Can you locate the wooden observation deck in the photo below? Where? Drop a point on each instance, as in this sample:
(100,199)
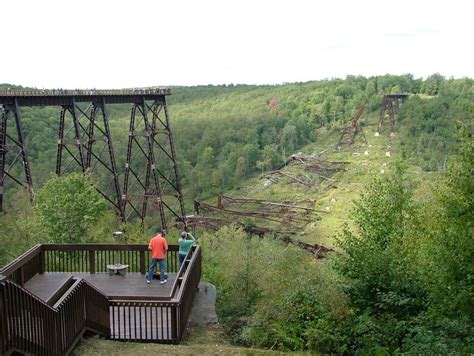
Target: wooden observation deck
(52,294)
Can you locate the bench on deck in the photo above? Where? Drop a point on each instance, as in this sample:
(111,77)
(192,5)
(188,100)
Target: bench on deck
(117,268)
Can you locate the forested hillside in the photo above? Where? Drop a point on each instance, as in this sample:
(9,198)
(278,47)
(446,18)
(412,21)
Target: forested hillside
(402,277)
(227,133)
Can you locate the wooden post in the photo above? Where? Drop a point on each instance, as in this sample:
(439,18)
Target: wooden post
(142,262)
(21,282)
(41,262)
(92,261)
(175,324)
(3,321)
(196,207)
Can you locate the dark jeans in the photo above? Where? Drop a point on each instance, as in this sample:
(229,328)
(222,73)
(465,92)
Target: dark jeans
(181,258)
(162,263)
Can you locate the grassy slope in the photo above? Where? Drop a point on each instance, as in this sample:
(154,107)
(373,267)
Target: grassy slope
(348,184)
(199,340)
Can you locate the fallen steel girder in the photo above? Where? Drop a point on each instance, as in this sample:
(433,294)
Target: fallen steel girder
(309,182)
(260,215)
(215,224)
(316,249)
(238,201)
(314,164)
(282,207)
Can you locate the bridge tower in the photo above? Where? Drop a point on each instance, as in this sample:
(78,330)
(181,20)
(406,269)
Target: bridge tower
(151,163)
(13,151)
(352,128)
(390,108)
(87,145)
(84,144)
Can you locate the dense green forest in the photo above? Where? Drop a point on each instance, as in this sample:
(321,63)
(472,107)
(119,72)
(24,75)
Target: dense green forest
(403,278)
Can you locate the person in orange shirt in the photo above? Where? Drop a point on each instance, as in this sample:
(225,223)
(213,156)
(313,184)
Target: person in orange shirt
(158,247)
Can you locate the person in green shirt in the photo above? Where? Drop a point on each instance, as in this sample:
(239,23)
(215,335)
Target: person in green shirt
(186,240)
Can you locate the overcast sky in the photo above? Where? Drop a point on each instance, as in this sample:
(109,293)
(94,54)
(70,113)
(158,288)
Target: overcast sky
(134,43)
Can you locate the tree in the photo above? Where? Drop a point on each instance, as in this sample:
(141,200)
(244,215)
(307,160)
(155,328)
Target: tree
(386,299)
(432,84)
(15,238)
(288,138)
(66,207)
(270,156)
(373,259)
(448,241)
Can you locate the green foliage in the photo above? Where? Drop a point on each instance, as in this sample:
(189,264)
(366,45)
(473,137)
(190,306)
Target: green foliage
(269,294)
(408,271)
(444,249)
(229,264)
(373,259)
(428,127)
(66,207)
(403,283)
(15,238)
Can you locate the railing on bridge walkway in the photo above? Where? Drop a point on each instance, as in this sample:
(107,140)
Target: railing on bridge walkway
(32,325)
(85,92)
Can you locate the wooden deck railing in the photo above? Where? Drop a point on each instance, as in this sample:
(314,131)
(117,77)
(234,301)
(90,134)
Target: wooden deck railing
(24,267)
(29,325)
(94,258)
(90,258)
(190,275)
(165,321)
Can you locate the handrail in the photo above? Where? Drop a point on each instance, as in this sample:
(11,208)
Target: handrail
(60,291)
(64,297)
(26,291)
(25,266)
(21,260)
(100,247)
(35,327)
(86,92)
(185,269)
(187,290)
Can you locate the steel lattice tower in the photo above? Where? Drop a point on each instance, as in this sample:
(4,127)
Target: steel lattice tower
(352,128)
(85,144)
(390,107)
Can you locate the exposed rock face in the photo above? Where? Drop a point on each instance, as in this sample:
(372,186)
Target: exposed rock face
(204,306)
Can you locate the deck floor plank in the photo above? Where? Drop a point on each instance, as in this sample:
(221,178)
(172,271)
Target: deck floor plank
(130,286)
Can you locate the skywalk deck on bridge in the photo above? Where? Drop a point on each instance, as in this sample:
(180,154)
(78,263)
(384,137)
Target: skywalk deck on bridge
(45,97)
